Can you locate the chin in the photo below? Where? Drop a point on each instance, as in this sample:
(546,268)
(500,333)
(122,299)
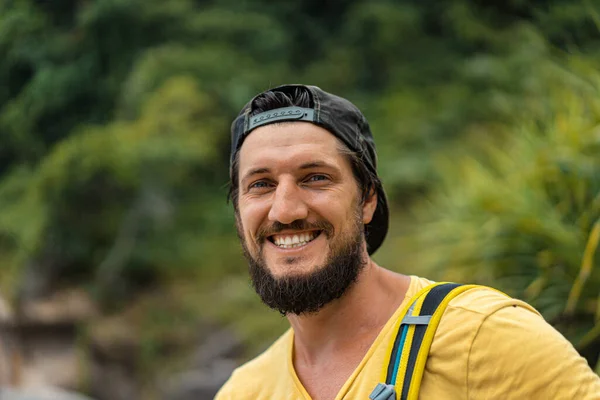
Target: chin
(291,267)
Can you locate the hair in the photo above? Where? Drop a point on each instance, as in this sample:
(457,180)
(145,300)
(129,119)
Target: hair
(366,179)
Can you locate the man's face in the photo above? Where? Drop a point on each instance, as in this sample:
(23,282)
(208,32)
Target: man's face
(299,216)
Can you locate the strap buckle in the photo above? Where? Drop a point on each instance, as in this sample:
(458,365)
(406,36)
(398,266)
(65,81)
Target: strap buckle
(383,392)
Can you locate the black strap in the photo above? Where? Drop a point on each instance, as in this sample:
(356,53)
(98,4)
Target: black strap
(432,300)
(434,297)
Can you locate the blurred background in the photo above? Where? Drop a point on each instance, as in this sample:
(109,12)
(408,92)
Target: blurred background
(121,276)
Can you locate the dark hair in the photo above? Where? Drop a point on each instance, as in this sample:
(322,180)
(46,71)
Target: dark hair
(367,181)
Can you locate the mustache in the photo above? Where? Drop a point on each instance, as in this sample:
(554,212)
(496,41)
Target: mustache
(299,225)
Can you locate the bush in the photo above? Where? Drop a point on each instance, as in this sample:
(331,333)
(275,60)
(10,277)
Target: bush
(126,199)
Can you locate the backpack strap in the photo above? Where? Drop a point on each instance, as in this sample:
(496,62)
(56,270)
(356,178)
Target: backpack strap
(412,343)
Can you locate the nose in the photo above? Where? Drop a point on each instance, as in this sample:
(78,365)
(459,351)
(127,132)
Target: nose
(288,205)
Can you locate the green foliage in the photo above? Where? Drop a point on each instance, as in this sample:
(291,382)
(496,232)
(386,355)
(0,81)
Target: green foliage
(114,140)
(114,198)
(524,216)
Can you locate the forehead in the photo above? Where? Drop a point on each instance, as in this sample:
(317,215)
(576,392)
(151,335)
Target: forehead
(285,144)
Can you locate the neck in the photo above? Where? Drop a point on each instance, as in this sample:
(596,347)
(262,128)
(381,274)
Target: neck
(352,321)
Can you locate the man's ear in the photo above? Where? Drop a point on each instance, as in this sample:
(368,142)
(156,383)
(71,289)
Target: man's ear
(369,206)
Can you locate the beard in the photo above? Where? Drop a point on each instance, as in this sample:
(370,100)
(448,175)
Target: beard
(307,293)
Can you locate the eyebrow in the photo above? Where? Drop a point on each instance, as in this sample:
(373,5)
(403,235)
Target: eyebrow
(255,171)
(308,165)
(317,164)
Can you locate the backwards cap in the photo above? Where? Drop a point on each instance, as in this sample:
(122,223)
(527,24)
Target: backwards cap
(340,117)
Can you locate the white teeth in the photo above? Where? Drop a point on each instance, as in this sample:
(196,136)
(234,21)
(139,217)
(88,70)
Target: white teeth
(288,242)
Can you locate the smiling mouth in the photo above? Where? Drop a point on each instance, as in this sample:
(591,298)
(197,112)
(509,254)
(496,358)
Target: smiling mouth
(288,241)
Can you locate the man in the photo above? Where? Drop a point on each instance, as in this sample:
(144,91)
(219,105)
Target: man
(310,210)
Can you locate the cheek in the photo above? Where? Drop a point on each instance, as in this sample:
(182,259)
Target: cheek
(251,216)
(334,206)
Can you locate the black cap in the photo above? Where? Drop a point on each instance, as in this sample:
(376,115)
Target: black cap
(340,117)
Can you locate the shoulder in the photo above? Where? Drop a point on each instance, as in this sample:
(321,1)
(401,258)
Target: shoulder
(464,317)
(502,347)
(531,359)
(490,323)
(460,326)
(248,380)
(515,353)
(478,301)
(486,301)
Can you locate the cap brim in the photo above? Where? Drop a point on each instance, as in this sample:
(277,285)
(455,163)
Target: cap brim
(377,229)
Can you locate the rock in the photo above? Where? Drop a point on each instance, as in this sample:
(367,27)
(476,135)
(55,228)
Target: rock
(46,330)
(114,351)
(38,342)
(64,307)
(45,393)
(115,341)
(113,381)
(50,357)
(10,358)
(211,366)
(218,345)
(199,384)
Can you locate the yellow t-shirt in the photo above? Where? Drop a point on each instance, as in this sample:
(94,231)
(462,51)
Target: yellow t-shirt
(487,346)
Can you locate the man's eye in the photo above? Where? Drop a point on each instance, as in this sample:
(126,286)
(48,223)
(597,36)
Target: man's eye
(258,185)
(315,178)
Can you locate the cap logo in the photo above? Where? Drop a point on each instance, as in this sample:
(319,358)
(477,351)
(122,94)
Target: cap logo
(281,114)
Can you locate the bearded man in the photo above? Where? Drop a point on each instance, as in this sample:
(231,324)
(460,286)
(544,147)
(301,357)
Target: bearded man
(310,211)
